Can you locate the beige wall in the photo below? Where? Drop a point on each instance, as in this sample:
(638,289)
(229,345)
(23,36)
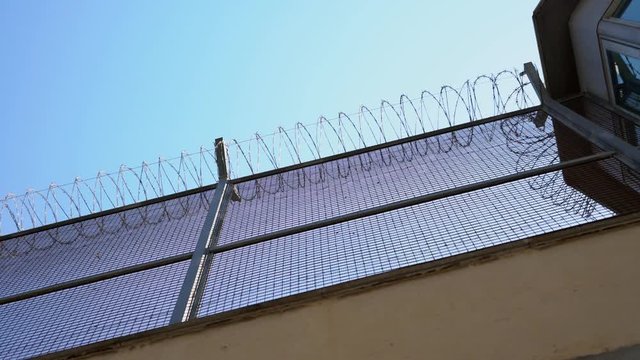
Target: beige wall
(577,298)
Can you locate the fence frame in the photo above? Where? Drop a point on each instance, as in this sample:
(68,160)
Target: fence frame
(194,283)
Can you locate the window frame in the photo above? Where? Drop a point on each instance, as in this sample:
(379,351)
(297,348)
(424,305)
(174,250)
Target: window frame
(625,49)
(618,8)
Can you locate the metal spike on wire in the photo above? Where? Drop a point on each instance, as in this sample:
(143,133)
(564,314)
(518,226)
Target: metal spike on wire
(485,96)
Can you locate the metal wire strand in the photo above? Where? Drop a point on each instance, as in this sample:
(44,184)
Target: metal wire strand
(475,99)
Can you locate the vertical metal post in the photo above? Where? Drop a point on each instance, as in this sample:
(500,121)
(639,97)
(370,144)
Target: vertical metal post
(195,280)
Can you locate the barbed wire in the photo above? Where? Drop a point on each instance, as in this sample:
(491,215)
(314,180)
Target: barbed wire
(174,209)
(487,95)
(533,150)
(129,185)
(484,96)
(538,150)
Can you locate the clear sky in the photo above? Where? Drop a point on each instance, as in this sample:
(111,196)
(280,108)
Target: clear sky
(89,85)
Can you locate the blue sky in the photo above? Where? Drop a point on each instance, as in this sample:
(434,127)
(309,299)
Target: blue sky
(89,85)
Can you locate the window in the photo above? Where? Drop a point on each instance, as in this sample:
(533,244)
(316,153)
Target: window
(630,10)
(625,78)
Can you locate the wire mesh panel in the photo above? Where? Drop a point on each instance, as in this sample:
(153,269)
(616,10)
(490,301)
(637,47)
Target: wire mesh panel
(90,313)
(417,234)
(379,177)
(610,120)
(102,244)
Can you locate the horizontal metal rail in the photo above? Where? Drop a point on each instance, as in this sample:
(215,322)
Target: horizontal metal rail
(410,202)
(96,278)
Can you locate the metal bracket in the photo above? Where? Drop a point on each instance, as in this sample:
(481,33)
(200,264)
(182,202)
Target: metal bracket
(195,280)
(221,159)
(531,73)
(625,152)
(221,162)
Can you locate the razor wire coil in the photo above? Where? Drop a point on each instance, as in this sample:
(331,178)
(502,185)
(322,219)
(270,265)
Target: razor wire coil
(485,96)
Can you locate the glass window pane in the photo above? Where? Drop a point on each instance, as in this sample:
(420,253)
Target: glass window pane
(630,10)
(625,75)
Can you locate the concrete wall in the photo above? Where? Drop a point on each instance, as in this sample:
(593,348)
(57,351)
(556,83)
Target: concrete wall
(577,298)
